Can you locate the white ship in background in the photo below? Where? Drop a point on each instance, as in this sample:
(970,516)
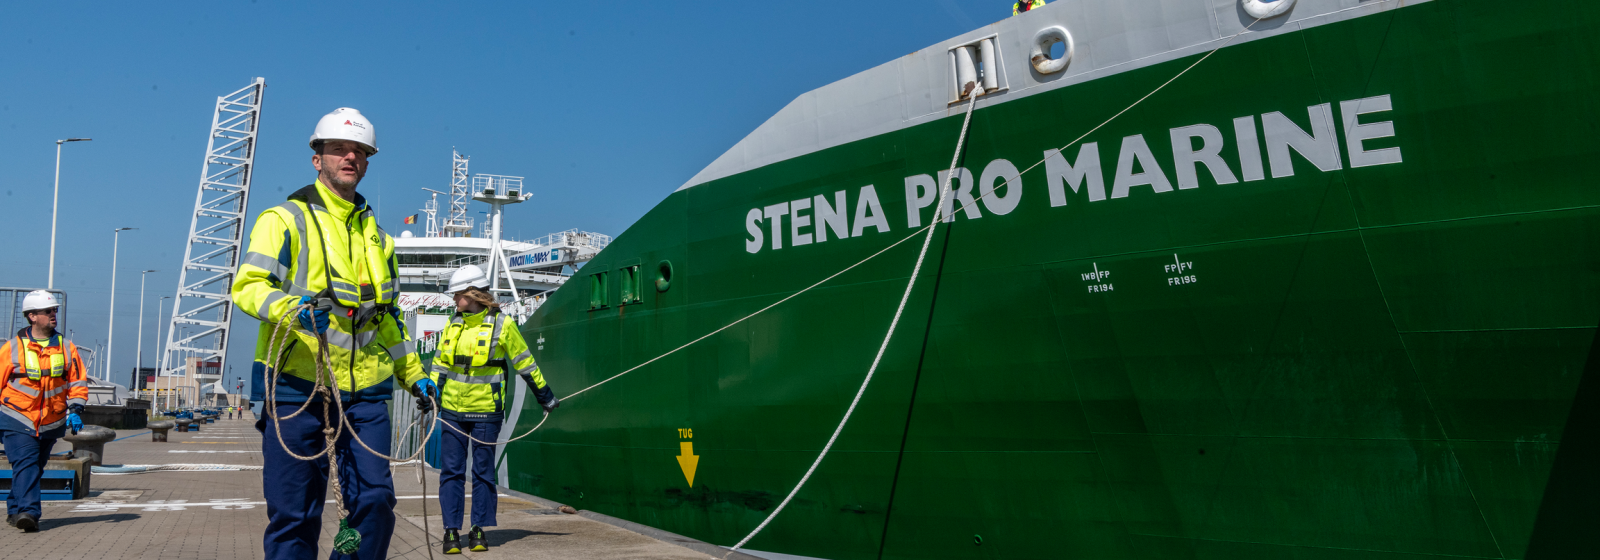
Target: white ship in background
(527,271)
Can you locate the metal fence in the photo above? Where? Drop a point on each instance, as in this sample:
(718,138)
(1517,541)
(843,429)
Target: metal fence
(403,408)
(11,298)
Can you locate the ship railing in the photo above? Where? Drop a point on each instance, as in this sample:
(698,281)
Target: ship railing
(574,238)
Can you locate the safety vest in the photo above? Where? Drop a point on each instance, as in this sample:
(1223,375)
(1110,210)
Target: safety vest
(472,368)
(41,381)
(317,244)
(1024,5)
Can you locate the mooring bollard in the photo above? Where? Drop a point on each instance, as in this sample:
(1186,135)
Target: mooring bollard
(183,424)
(158,430)
(89,443)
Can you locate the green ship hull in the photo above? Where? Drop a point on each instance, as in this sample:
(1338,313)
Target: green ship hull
(1366,352)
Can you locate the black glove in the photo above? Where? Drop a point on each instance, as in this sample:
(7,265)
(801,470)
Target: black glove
(547,398)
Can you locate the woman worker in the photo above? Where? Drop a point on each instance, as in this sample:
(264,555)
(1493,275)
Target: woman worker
(477,352)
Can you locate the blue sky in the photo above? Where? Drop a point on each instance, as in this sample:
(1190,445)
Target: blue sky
(605,107)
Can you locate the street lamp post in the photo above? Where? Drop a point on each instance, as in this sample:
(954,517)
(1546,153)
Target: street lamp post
(161,307)
(116,237)
(51,283)
(138,361)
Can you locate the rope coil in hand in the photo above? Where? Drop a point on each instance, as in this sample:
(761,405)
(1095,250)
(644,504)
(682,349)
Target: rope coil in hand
(347,540)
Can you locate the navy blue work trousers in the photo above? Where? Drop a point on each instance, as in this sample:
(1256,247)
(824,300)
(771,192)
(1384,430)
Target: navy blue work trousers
(27,455)
(296,489)
(453,472)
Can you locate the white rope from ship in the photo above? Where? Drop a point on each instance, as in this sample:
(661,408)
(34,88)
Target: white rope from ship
(937,217)
(347,540)
(944,193)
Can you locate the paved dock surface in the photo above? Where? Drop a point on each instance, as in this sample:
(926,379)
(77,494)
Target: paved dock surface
(177,515)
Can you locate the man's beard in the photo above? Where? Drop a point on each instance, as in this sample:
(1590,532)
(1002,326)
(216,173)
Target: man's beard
(334,182)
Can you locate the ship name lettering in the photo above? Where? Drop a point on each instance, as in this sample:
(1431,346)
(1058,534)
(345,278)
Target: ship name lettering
(1280,134)
(811,219)
(999,188)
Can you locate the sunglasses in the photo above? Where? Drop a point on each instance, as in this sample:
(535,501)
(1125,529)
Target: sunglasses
(50,311)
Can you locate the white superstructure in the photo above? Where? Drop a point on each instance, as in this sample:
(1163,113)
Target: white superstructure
(531,268)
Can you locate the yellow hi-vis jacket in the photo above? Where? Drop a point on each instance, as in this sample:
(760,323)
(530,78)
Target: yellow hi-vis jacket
(477,352)
(317,244)
(1024,5)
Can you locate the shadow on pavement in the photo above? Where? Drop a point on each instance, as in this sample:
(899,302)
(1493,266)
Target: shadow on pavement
(499,537)
(47,523)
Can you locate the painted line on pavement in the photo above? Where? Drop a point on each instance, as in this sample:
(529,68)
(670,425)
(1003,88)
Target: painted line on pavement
(210,451)
(184,505)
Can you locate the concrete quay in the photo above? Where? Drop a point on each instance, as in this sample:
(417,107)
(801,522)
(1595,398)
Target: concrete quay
(220,514)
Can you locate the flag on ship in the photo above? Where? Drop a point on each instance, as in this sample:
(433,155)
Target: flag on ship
(411,219)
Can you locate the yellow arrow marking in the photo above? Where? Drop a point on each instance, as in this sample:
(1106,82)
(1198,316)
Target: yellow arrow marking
(688,461)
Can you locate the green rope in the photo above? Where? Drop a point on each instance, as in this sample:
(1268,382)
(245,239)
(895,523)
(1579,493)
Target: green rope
(347,541)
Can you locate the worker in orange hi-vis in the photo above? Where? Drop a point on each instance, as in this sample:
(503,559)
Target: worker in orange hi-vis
(43,395)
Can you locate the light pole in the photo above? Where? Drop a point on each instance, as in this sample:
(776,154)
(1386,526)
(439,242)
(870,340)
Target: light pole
(160,352)
(138,361)
(51,283)
(116,237)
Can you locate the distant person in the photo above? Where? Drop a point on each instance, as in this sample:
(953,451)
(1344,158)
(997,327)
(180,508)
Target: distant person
(477,353)
(1024,5)
(323,247)
(44,396)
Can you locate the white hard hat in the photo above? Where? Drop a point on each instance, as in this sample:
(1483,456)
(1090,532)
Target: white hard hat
(39,299)
(345,123)
(468,276)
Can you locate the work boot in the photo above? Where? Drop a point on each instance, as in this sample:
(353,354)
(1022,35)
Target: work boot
(11,519)
(27,522)
(452,542)
(476,540)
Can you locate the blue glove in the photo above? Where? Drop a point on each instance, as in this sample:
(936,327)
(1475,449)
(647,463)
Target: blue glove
(313,320)
(73,421)
(425,386)
(423,390)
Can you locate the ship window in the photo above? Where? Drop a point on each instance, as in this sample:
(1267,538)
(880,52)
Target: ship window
(426,259)
(597,291)
(632,285)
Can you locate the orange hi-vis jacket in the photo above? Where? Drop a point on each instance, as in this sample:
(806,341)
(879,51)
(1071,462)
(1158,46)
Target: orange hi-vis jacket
(41,381)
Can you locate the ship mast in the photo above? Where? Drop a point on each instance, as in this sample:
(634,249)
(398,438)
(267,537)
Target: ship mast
(498,191)
(432,210)
(458,224)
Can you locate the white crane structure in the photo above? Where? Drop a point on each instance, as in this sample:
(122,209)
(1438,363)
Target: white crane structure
(202,310)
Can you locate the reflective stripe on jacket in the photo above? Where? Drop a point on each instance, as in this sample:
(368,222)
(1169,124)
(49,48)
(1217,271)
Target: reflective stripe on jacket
(477,354)
(317,244)
(41,381)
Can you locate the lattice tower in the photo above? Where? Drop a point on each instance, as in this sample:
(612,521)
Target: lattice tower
(202,310)
(458,224)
